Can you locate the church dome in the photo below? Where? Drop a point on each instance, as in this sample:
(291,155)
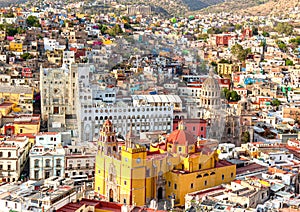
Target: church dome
(210,92)
(181,140)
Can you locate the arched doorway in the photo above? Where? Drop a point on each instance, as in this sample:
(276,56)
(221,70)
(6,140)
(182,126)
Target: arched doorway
(111,195)
(159,193)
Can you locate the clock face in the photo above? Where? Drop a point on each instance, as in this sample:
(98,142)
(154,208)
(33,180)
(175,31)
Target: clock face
(138,160)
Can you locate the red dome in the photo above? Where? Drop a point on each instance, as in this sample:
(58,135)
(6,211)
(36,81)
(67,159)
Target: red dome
(181,137)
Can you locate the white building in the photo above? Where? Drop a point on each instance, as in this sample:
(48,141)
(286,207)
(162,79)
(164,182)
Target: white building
(50,44)
(68,57)
(73,100)
(46,162)
(13,154)
(80,160)
(48,139)
(58,89)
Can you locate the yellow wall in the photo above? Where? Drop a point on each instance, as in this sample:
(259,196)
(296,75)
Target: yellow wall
(136,175)
(27,128)
(5,110)
(16,47)
(195,181)
(15,97)
(227,69)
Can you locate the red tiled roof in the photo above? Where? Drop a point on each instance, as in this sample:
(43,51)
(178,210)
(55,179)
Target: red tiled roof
(181,137)
(250,168)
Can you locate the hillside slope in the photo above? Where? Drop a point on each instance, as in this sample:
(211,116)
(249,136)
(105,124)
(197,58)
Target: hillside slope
(255,7)
(193,5)
(274,7)
(234,6)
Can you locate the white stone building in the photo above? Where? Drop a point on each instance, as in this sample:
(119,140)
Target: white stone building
(13,154)
(46,162)
(80,160)
(68,57)
(58,89)
(73,101)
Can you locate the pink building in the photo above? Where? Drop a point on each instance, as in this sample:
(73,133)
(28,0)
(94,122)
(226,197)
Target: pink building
(196,126)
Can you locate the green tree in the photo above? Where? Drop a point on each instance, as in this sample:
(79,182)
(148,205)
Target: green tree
(11,31)
(238,26)
(275,102)
(26,56)
(214,64)
(284,28)
(224,61)
(214,30)
(295,40)
(245,137)
(281,45)
(254,30)
(126,18)
(265,34)
(32,21)
(289,62)
(239,52)
(234,96)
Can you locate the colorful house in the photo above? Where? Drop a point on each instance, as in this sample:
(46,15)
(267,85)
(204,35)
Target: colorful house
(15,46)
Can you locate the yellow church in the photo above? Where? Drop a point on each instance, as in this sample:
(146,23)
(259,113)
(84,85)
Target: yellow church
(133,174)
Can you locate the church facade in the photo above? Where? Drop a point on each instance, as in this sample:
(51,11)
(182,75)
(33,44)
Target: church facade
(224,121)
(127,172)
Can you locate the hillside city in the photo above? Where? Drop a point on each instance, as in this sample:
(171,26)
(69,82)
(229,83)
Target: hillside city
(121,106)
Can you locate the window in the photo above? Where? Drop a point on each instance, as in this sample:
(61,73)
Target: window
(223,176)
(36,174)
(1,167)
(194,129)
(175,186)
(125,183)
(58,162)
(47,162)
(169,184)
(8,167)
(47,175)
(98,188)
(179,149)
(192,185)
(9,154)
(98,171)
(205,183)
(36,163)
(201,128)
(55,110)
(1,154)
(199,166)
(231,175)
